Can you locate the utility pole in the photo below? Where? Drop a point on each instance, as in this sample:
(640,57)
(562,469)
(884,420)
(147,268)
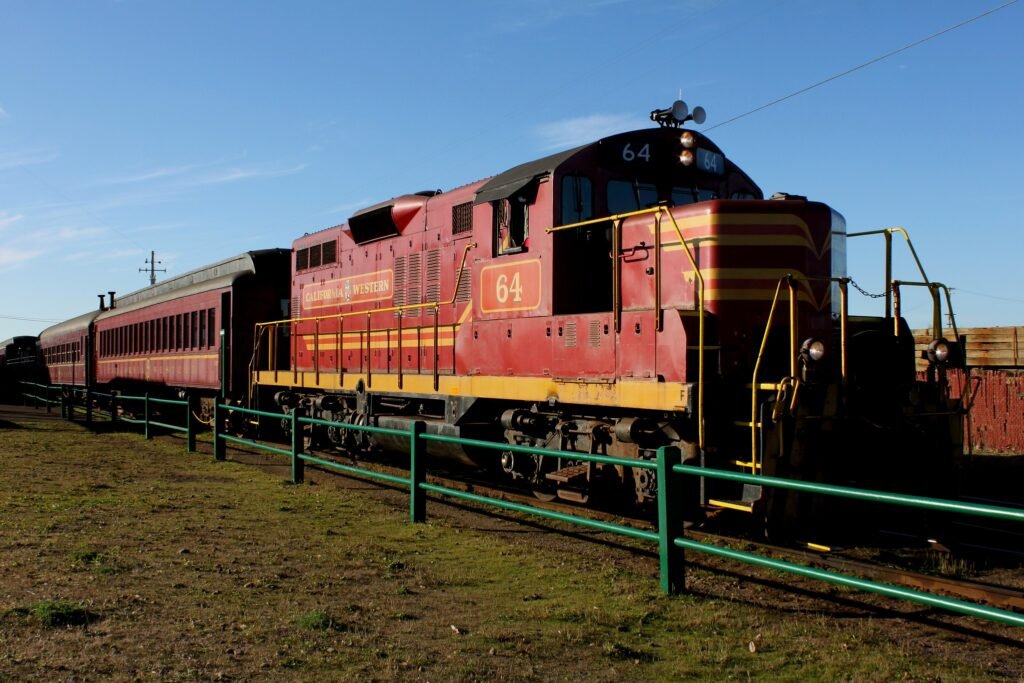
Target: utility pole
(152,270)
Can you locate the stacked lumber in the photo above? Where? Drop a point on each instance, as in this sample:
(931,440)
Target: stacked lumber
(987,347)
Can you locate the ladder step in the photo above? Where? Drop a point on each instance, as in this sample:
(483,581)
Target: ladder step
(749,464)
(741,505)
(568,474)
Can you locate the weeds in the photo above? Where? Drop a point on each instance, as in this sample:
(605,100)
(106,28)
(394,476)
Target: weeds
(320,621)
(61,613)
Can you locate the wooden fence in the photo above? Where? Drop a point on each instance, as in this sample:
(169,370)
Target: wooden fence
(996,364)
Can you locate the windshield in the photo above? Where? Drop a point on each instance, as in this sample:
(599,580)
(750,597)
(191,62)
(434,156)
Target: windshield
(626,195)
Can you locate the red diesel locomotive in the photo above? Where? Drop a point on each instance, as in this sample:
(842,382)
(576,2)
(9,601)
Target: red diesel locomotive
(626,294)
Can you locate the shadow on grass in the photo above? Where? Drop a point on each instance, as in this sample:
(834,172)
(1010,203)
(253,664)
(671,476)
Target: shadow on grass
(56,614)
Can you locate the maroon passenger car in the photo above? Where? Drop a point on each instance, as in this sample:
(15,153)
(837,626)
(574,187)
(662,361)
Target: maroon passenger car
(194,330)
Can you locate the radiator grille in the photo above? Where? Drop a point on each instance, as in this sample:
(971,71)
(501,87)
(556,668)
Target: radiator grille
(462,218)
(330,252)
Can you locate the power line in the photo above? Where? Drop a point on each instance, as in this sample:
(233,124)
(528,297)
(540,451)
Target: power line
(28,320)
(990,296)
(864,65)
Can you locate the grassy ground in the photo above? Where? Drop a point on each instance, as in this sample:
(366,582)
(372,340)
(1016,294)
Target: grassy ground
(132,560)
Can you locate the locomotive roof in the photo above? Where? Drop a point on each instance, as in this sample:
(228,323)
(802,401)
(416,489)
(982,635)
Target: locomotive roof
(20,339)
(506,184)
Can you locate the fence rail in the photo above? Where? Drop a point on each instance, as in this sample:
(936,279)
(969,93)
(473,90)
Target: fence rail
(669,535)
(66,399)
(670,472)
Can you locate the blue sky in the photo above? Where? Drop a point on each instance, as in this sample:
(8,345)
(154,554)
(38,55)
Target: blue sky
(204,129)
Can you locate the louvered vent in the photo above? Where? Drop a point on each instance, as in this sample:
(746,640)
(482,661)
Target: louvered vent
(433,278)
(570,335)
(462,218)
(314,256)
(414,284)
(399,291)
(302,259)
(295,307)
(465,292)
(595,333)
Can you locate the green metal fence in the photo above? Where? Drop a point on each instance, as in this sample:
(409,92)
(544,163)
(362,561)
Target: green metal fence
(667,466)
(669,535)
(39,394)
(66,400)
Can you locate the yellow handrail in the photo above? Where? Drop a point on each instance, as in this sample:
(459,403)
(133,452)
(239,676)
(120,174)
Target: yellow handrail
(700,326)
(757,365)
(888,232)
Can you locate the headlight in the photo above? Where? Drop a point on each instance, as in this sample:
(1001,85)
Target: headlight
(686,157)
(688,140)
(938,351)
(813,349)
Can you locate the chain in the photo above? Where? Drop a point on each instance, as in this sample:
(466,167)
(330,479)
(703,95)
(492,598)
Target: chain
(864,292)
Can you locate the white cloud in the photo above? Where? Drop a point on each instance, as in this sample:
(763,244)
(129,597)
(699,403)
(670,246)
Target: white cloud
(103,255)
(27,158)
(583,129)
(234,174)
(151,174)
(7,221)
(347,207)
(11,256)
(76,233)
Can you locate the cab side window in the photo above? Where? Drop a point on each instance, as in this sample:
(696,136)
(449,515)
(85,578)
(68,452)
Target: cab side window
(511,224)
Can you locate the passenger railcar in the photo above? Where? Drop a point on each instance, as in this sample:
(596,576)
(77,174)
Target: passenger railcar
(192,331)
(66,349)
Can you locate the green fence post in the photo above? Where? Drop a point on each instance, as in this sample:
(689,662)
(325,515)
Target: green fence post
(670,521)
(88,405)
(145,401)
(46,399)
(190,423)
(63,396)
(417,472)
(298,464)
(219,450)
(113,407)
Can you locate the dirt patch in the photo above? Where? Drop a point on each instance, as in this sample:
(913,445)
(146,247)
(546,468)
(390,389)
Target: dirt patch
(196,570)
